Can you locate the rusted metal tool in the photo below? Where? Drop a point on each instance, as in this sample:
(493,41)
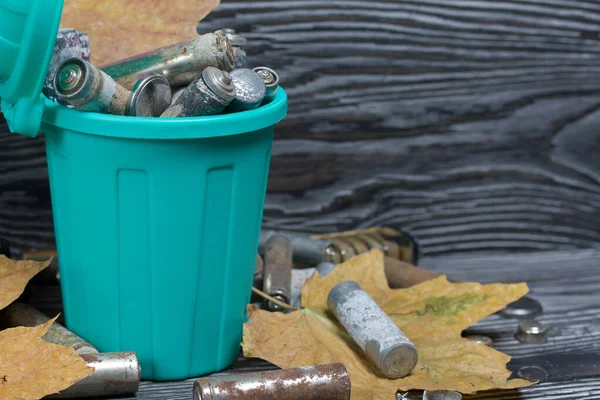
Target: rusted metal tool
(372,329)
(321,382)
(115,374)
(278,271)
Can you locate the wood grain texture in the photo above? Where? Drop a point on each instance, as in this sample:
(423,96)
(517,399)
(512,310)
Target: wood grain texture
(470,123)
(565,283)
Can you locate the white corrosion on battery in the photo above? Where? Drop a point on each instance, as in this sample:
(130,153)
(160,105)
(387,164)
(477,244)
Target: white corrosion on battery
(373,330)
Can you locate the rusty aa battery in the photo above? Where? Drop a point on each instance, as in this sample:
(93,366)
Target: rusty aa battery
(238,42)
(150,96)
(271,80)
(70,43)
(18,314)
(306,250)
(115,374)
(278,271)
(210,94)
(249,88)
(321,382)
(180,63)
(372,329)
(87,88)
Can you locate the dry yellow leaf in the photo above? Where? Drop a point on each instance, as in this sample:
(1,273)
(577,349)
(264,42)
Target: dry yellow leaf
(31,368)
(14,276)
(432,314)
(119,29)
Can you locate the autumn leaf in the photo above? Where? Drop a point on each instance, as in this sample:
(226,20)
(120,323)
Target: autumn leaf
(14,276)
(31,368)
(432,314)
(119,29)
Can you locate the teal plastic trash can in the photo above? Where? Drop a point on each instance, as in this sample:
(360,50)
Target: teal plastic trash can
(156,220)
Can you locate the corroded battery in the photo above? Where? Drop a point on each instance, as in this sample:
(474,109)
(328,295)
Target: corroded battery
(5,248)
(321,382)
(326,268)
(441,395)
(372,329)
(278,271)
(150,96)
(115,374)
(210,94)
(180,63)
(259,269)
(70,43)
(87,88)
(238,42)
(271,80)
(18,314)
(306,250)
(249,88)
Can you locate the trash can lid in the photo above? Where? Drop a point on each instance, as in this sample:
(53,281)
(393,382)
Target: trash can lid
(28,30)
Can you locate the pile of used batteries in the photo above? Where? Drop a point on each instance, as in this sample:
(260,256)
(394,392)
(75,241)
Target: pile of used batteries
(206,75)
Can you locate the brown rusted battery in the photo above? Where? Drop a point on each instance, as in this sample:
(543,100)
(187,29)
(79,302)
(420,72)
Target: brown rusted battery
(321,382)
(18,314)
(403,275)
(87,88)
(278,271)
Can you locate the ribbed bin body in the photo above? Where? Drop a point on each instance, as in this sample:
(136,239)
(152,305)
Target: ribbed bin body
(157,236)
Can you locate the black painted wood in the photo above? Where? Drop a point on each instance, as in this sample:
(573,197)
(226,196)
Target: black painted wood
(470,123)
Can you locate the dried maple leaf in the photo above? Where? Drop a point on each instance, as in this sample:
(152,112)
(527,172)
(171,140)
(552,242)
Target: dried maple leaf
(119,29)
(432,314)
(14,276)
(31,368)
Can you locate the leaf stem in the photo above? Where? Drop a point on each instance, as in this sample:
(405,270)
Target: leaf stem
(274,300)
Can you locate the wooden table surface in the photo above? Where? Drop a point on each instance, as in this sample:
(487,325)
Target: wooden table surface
(473,124)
